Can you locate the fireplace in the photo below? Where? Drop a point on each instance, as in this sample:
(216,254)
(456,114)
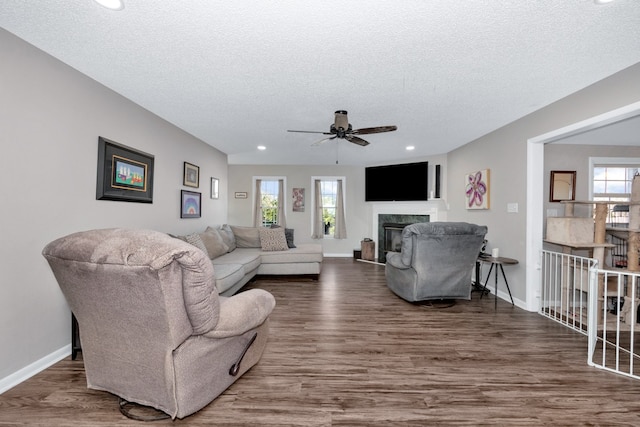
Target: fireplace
(390,228)
(392,241)
(402,213)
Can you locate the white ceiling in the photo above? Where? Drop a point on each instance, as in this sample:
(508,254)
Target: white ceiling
(239,74)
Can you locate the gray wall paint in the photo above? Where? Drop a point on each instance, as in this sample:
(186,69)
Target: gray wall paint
(51,117)
(576,158)
(504,151)
(358,212)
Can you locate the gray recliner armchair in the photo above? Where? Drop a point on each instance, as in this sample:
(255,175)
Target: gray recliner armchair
(436,261)
(153,328)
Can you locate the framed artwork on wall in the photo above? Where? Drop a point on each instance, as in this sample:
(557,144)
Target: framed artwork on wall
(298,199)
(191,175)
(190,203)
(477,189)
(124,174)
(563,186)
(215,184)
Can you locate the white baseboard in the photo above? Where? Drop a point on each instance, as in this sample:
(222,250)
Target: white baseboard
(27,372)
(371,262)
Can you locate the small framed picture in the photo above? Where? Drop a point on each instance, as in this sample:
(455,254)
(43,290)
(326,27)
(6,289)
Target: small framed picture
(190,202)
(241,194)
(191,175)
(298,200)
(214,188)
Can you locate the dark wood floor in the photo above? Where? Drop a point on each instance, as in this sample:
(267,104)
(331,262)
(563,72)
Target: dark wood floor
(345,351)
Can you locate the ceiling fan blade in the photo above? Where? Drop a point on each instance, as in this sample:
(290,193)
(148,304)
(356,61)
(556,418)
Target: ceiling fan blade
(377,129)
(357,140)
(310,131)
(322,141)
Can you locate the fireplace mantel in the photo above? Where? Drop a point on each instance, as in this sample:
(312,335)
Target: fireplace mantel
(436,209)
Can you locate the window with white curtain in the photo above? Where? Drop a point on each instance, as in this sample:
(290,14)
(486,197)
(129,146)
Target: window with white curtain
(269,201)
(328,207)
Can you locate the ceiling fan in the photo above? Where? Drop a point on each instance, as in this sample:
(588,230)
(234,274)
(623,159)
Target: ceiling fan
(342,129)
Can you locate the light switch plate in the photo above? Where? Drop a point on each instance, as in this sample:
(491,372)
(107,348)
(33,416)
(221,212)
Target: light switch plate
(512,207)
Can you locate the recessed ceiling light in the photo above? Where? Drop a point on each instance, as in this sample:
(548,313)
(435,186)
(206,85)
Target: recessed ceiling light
(602,1)
(410,147)
(261,147)
(112,4)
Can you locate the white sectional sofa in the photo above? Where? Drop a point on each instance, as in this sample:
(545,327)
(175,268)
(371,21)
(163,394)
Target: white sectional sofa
(239,253)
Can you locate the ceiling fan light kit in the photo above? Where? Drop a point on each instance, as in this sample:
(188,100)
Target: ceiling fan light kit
(342,129)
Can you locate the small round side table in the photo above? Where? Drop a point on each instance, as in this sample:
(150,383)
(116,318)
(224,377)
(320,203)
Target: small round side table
(496,263)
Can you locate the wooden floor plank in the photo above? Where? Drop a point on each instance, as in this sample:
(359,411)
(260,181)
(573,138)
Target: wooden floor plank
(345,351)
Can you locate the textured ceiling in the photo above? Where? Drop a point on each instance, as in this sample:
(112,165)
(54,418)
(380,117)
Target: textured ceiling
(239,74)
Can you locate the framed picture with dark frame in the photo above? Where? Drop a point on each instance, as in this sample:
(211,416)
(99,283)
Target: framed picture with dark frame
(563,186)
(190,203)
(191,175)
(124,174)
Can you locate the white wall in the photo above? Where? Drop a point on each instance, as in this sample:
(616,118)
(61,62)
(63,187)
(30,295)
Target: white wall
(51,117)
(504,151)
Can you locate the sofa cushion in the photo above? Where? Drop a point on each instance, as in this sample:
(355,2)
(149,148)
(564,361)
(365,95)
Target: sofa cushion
(249,258)
(214,243)
(246,237)
(273,239)
(227,275)
(304,253)
(288,233)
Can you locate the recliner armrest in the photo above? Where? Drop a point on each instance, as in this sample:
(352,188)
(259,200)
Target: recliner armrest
(395,260)
(242,312)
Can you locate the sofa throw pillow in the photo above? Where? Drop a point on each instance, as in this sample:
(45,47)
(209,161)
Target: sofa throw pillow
(195,240)
(288,234)
(246,237)
(273,239)
(227,236)
(214,243)
(225,230)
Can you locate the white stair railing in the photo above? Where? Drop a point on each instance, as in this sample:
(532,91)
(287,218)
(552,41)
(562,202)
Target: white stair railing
(601,303)
(564,289)
(613,325)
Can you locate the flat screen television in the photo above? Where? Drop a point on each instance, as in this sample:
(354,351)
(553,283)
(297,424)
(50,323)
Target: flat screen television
(402,182)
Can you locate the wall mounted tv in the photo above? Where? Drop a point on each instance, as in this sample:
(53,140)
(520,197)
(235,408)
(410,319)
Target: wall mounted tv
(402,182)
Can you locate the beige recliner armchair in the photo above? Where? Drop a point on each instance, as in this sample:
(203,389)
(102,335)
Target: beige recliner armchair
(436,261)
(153,328)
